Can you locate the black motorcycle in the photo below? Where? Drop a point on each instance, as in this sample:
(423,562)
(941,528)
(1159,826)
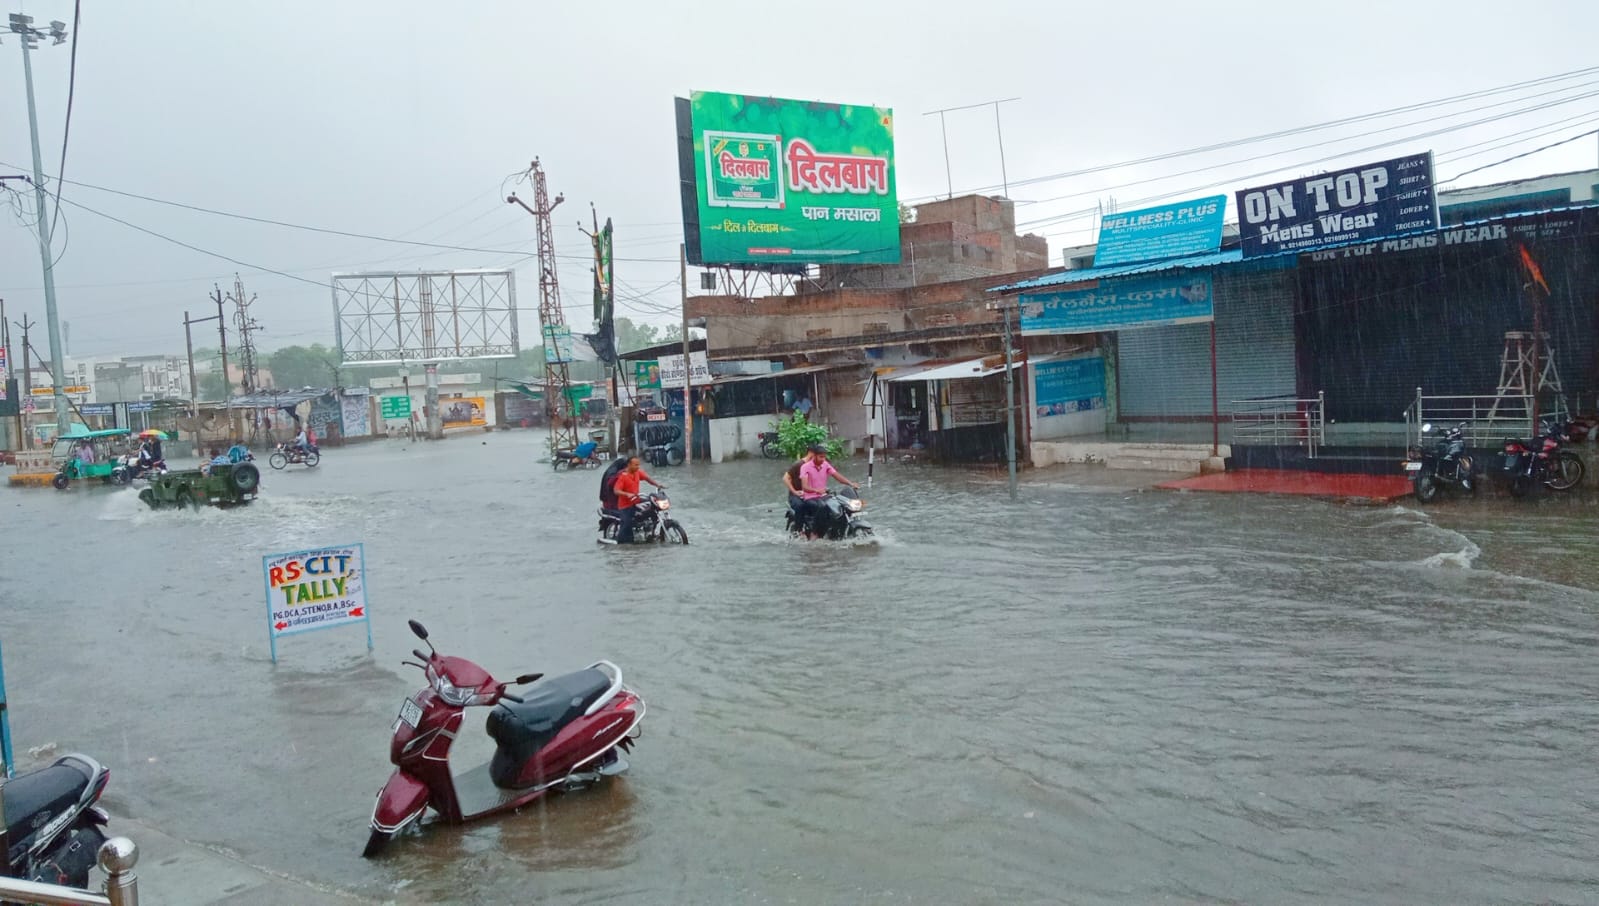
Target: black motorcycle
(836,516)
(769,446)
(52,831)
(650,522)
(1442,462)
(1525,465)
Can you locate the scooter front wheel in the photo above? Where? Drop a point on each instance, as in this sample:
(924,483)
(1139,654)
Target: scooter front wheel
(376,843)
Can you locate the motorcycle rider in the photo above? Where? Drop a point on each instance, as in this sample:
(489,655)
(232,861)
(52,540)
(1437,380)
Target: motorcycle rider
(791,481)
(301,443)
(626,489)
(813,483)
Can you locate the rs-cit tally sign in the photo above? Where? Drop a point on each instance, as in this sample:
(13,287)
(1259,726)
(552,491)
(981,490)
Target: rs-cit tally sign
(315,589)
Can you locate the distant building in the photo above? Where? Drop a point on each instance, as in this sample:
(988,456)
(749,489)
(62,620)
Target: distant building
(1556,190)
(956,239)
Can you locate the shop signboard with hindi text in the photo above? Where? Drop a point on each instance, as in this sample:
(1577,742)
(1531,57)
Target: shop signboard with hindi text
(315,589)
(671,373)
(1179,297)
(1185,228)
(1069,386)
(1355,204)
(786,182)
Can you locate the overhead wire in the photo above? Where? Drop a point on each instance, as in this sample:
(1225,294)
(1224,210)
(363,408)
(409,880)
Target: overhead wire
(66,129)
(1283,133)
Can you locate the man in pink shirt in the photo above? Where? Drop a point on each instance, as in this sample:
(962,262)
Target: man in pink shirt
(813,482)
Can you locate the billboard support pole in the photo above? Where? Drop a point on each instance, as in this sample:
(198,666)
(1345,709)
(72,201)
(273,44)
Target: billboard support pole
(688,362)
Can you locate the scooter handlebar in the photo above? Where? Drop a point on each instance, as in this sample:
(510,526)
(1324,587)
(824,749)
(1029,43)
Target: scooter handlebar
(509,697)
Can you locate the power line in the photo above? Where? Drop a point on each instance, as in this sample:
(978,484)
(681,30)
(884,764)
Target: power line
(1429,134)
(1523,154)
(1283,133)
(66,130)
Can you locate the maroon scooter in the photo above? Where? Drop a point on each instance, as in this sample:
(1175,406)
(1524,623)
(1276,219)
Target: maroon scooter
(567,733)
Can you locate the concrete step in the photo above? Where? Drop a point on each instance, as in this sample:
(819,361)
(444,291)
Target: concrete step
(1175,458)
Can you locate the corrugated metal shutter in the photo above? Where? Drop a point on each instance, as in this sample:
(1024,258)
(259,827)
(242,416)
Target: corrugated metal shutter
(1165,371)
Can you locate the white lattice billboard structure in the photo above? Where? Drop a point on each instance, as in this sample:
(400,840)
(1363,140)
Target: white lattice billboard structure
(397,317)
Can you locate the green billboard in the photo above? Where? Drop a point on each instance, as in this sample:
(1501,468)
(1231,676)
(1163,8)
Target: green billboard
(782,182)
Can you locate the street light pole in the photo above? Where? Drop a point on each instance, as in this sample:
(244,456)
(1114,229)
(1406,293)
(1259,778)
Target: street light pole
(23,26)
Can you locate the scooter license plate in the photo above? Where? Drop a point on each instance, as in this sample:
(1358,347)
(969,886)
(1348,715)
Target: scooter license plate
(410,713)
(1412,467)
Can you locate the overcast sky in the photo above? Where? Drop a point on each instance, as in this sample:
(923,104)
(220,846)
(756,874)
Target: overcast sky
(403,120)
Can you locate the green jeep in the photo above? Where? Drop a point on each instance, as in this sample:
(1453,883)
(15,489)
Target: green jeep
(83,454)
(217,484)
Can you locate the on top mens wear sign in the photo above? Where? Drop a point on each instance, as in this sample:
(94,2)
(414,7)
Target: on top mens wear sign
(1169,231)
(786,182)
(1390,198)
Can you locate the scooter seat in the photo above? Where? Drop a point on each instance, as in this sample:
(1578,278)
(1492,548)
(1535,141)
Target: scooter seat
(522,728)
(32,800)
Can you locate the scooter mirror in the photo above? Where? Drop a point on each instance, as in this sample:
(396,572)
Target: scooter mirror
(526,678)
(420,631)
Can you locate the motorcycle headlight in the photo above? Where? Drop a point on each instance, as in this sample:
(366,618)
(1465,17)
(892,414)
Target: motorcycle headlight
(663,504)
(856,504)
(459,696)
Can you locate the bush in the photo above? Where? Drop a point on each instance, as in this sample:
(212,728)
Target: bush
(796,434)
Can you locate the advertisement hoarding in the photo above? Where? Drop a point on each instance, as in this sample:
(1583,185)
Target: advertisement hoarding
(315,589)
(394,407)
(1183,228)
(647,374)
(557,343)
(1371,201)
(1183,297)
(772,181)
(1069,386)
(463,412)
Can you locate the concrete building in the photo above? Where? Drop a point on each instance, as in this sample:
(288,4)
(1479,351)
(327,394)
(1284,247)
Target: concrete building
(1538,193)
(956,239)
(911,343)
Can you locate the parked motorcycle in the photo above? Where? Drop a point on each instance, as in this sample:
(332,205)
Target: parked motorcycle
(650,522)
(52,830)
(769,446)
(837,516)
(1526,465)
(1442,462)
(564,734)
(288,454)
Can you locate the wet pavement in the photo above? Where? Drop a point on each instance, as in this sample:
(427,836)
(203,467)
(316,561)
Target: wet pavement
(1098,694)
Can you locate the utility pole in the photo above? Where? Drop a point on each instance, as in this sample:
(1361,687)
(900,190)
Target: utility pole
(688,361)
(9,369)
(23,26)
(552,321)
(1005,309)
(245,325)
(194,382)
(27,380)
(222,337)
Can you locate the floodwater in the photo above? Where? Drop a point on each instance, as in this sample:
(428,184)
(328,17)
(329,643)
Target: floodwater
(1094,695)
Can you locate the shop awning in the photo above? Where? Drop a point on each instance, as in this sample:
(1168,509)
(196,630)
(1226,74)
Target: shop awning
(271,399)
(972,368)
(787,372)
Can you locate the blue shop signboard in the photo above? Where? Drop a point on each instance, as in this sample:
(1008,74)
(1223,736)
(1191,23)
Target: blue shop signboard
(1169,231)
(1072,385)
(1183,297)
(1357,204)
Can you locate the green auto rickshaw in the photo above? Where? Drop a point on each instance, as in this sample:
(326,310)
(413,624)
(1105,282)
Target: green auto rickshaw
(82,454)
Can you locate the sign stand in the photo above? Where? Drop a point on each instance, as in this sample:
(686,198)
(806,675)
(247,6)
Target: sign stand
(315,589)
(7,763)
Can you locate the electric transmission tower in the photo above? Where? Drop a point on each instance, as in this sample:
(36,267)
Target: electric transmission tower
(246,326)
(558,405)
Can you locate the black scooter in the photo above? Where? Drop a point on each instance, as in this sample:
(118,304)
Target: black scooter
(52,828)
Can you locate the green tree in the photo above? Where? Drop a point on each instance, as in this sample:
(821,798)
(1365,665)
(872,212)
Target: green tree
(213,386)
(631,336)
(303,366)
(796,434)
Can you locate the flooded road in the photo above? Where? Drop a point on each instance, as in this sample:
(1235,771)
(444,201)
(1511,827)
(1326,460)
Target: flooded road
(1094,695)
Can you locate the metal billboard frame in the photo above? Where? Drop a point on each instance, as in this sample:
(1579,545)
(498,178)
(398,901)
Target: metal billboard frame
(409,317)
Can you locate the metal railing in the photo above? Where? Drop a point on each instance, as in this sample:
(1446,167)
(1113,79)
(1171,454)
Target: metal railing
(117,857)
(1283,421)
(1486,419)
